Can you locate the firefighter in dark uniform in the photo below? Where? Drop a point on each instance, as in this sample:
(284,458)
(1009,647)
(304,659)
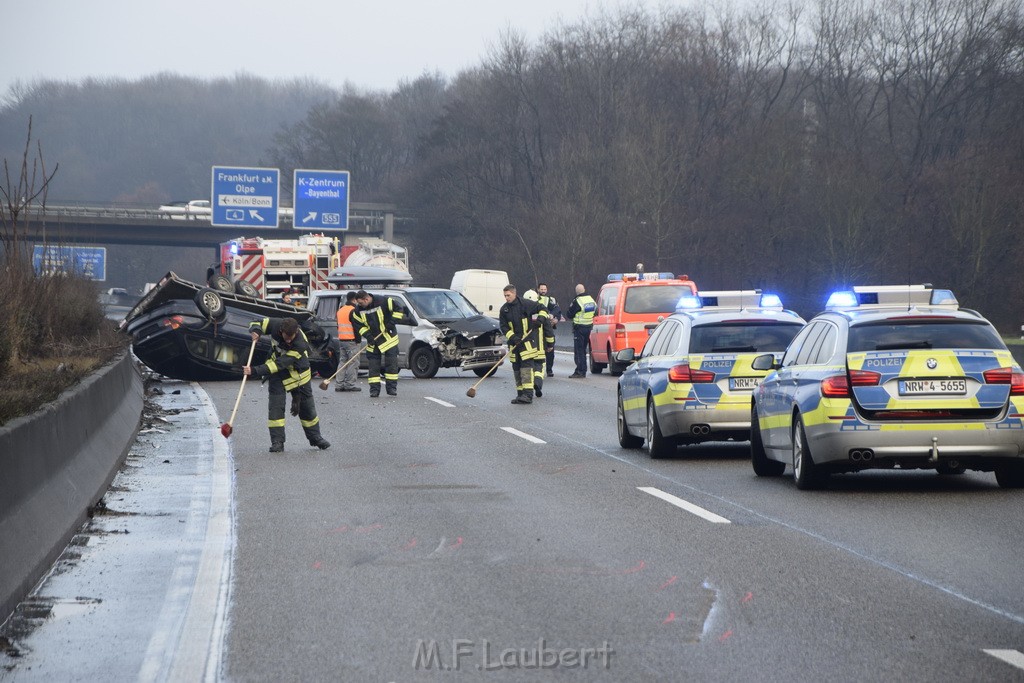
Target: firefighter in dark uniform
(554,315)
(519,320)
(375,319)
(289,373)
(545,340)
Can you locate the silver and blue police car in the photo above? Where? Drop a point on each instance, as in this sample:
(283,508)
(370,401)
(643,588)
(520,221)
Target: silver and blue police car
(891,376)
(693,379)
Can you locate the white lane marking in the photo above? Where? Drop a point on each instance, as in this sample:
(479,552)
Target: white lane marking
(438,401)
(891,566)
(680,503)
(523,435)
(1012,657)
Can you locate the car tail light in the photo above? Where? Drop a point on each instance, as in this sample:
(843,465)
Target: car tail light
(687,375)
(1006,376)
(174,322)
(620,331)
(864,378)
(836,386)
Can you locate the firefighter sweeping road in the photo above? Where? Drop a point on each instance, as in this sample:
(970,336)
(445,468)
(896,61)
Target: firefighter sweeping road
(449,538)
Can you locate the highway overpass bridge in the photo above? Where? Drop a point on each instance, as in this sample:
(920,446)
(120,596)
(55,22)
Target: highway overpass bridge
(113,225)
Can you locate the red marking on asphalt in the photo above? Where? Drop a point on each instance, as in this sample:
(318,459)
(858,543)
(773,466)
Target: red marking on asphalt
(372,527)
(633,570)
(340,530)
(457,544)
(410,545)
(748,597)
(317,565)
(668,583)
(725,636)
(670,618)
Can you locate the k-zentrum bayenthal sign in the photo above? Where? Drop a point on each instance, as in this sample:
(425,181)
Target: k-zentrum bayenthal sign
(321,199)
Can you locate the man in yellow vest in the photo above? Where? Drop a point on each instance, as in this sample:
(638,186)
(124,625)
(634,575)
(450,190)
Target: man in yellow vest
(349,343)
(581,312)
(289,372)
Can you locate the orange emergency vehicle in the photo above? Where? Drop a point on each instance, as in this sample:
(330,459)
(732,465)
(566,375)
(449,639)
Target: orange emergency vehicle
(629,307)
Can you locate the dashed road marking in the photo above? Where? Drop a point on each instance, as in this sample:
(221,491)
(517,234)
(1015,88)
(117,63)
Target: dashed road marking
(680,503)
(1012,657)
(523,435)
(438,401)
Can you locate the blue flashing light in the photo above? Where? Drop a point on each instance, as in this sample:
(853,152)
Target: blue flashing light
(842,299)
(688,302)
(614,277)
(942,297)
(771,301)
(234,248)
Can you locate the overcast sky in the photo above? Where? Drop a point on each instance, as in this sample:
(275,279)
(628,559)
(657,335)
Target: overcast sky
(370,43)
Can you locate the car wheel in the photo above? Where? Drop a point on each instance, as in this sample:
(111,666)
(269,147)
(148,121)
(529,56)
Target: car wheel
(480,372)
(210,304)
(1010,476)
(424,362)
(763,467)
(658,445)
(596,368)
(222,284)
(245,288)
(626,440)
(806,474)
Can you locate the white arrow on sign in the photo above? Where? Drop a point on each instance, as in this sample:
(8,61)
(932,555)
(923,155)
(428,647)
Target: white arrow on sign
(310,217)
(254,213)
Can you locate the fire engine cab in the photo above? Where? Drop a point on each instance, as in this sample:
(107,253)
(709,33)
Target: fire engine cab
(268,268)
(629,307)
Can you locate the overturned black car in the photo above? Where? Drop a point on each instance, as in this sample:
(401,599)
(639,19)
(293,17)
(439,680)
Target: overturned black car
(192,332)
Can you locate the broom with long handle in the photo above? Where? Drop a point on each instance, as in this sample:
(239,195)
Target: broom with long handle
(226,428)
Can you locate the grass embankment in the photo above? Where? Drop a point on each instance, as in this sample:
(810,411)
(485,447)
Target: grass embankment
(52,334)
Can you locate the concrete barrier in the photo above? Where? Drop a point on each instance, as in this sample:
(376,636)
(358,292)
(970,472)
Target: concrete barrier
(57,463)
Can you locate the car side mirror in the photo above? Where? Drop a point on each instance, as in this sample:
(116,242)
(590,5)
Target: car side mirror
(766,361)
(626,355)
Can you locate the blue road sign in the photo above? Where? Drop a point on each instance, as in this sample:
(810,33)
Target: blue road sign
(90,262)
(245,197)
(321,199)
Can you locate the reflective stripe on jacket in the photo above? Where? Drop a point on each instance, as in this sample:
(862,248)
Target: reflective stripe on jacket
(587,309)
(346,331)
(288,363)
(521,318)
(377,323)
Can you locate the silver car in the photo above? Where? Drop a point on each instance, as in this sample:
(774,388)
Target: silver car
(891,376)
(442,329)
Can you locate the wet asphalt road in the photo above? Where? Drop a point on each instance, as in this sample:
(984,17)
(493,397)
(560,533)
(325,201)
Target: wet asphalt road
(449,538)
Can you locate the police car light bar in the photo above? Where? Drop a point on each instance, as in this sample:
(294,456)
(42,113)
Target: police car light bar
(733,299)
(619,277)
(889,296)
(689,302)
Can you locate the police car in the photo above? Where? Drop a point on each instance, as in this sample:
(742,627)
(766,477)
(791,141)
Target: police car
(891,376)
(693,380)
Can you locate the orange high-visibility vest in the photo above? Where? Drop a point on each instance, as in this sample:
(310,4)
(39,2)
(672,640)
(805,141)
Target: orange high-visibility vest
(345,330)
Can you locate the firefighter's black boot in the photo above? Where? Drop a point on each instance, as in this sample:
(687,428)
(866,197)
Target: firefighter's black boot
(276,446)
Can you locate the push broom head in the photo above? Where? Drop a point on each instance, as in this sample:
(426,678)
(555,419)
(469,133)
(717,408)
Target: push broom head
(324,385)
(225,429)
(471,392)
